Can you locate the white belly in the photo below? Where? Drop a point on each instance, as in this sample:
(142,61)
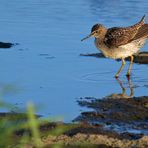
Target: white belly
(122,51)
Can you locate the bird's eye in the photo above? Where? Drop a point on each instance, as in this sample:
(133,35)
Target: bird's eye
(96,31)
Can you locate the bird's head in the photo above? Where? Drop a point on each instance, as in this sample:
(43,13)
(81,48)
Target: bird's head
(96,31)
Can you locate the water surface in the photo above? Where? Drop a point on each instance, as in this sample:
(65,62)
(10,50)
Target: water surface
(46,68)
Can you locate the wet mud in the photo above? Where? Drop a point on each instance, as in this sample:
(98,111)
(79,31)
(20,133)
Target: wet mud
(85,135)
(95,128)
(119,112)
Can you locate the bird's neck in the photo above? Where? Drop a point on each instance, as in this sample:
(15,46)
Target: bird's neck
(102,34)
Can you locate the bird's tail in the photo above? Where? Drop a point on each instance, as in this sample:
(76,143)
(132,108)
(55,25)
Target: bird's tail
(142,19)
(140,23)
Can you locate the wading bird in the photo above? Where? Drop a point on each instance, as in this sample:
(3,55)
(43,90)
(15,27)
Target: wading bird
(120,42)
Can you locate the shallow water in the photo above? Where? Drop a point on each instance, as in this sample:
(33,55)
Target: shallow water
(46,68)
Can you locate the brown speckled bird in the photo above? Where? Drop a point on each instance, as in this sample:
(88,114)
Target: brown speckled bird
(120,42)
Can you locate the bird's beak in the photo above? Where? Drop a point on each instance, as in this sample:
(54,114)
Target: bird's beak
(87,37)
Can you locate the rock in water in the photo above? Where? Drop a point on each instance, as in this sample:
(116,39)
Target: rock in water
(5,45)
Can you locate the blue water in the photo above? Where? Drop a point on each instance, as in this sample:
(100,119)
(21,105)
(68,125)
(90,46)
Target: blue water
(46,69)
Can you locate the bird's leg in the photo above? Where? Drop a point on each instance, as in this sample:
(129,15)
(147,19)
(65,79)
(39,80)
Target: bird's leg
(130,67)
(123,63)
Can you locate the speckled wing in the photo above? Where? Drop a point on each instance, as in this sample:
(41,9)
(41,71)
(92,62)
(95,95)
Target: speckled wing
(118,36)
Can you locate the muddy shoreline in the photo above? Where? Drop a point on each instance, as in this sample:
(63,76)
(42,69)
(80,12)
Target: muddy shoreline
(84,135)
(89,128)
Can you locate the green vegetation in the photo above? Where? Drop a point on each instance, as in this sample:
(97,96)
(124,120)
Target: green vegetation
(20,129)
(25,129)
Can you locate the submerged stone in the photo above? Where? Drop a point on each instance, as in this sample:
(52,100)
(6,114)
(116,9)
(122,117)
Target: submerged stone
(5,45)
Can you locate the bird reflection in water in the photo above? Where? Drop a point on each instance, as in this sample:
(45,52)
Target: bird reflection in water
(124,90)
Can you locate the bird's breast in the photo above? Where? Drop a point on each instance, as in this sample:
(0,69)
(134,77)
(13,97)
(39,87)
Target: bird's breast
(103,48)
(121,51)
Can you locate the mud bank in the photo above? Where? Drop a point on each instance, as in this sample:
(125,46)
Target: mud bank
(122,115)
(98,128)
(115,121)
(87,136)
